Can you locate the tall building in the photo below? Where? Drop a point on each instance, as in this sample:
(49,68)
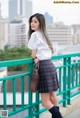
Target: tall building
(19,7)
(12,9)
(3,31)
(17,34)
(27,8)
(48,19)
(75,27)
(25,21)
(76,36)
(61,34)
(20,3)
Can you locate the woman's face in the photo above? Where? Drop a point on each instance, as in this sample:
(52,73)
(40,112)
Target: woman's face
(34,24)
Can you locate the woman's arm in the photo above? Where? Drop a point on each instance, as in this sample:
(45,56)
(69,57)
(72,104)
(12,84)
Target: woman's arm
(33,55)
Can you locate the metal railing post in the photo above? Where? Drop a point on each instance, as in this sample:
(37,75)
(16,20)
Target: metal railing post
(64,82)
(4,94)
(69,80)
(30,66)
(37,100)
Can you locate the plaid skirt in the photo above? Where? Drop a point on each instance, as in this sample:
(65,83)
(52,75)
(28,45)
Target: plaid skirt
(48,80)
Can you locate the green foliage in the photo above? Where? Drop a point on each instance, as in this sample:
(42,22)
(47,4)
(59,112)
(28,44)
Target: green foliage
(13,54)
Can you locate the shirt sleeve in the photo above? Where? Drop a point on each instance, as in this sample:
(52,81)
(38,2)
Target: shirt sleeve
(33,42)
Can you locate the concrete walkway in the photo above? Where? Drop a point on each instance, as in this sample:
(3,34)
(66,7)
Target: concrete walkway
(73,110)
(74,114)
(70,111)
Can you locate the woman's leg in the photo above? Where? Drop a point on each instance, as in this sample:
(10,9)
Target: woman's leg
(46,102)
(54,98)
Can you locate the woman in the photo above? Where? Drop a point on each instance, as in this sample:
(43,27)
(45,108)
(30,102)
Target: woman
(42,51)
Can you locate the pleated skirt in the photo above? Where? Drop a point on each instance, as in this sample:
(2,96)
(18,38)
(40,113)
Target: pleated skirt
(48,80)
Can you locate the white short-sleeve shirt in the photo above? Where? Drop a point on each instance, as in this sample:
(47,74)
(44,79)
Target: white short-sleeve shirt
(37,43)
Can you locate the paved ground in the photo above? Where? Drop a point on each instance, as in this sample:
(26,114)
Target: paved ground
(74,114)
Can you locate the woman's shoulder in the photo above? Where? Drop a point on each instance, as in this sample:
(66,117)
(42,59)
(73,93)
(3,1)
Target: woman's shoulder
(35,34)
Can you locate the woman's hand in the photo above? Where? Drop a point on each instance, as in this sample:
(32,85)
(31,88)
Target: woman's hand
(36,60)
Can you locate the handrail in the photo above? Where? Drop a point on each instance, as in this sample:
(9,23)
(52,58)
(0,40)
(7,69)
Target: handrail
(69,79)
(64,56)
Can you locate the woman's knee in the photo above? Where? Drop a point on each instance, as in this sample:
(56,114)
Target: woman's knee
(46,104)
(54,99)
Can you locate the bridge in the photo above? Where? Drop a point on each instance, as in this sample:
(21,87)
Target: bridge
(27,104)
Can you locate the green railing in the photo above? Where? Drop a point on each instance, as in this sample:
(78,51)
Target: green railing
(69,79)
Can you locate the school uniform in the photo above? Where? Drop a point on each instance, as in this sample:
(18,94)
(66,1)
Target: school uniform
(48,80)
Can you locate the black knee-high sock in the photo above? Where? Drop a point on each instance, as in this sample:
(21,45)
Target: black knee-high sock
(55,112)
(57,107)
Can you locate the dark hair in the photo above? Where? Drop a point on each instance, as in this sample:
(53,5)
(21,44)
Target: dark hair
(42,28)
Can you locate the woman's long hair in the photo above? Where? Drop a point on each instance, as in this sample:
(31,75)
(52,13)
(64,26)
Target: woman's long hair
(42,28)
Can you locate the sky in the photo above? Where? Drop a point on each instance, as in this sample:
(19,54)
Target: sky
(67,13)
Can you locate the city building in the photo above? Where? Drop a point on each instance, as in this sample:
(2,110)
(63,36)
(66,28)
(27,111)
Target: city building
(3,31)
(75,27)
(60,34)
(72,49)
(19,7)
(48,19)
(17,34)
(27,8)
(76,36)
(12,9)
(25,21)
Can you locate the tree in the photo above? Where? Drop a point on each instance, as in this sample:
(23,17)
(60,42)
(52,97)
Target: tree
(13,54)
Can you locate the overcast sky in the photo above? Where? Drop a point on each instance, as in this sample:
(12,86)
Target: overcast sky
(68,13)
